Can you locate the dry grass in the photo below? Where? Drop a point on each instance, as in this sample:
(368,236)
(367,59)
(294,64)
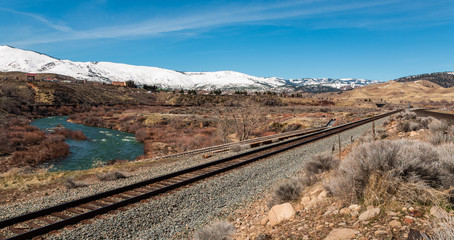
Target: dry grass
(438,126)
(399,161)
(286,192)
(320,163)
(69,183)
(23,180)
(111,176)
(218,231)
(443,229)
(394,192)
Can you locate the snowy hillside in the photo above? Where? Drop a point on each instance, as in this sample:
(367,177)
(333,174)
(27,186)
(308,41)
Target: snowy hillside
(14,59)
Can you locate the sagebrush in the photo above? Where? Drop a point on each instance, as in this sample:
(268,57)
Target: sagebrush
(111,176)
(287,191)
(404,160)
(217,231)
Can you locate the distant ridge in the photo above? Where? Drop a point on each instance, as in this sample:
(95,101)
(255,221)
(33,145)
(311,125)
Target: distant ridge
(18,60)
(444,79)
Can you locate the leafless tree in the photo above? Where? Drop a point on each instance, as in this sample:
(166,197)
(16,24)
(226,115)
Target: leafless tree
(241,117)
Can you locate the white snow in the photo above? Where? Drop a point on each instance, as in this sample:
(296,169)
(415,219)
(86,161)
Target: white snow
(14,59)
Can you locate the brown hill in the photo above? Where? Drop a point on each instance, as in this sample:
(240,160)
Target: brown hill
(444,79)
(23,76)
(18,95)
(397,92)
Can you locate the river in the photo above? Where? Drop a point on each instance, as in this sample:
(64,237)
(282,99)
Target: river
(102,145)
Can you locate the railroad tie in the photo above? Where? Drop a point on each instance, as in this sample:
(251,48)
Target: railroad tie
(89,207)
(75,211)
(108,200)
(122,196)
(33,225)
(46,220)
(17,230)
(60,215)
(99,203)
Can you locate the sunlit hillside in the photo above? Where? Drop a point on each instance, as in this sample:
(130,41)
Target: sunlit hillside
(396,92)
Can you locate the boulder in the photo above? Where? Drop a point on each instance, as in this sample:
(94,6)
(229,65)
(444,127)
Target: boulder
(438,212)
(305,200)
(380,233)
(345,211)
(395,224)
(264,221)
(369,214)
(355,207)
(413,133)
(281,213)
(341,234)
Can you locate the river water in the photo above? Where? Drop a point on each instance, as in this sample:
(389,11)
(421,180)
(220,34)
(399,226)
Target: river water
(102,145)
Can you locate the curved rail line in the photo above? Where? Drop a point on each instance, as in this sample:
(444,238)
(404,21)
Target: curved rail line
(255,142)
(445,116)
(43,221)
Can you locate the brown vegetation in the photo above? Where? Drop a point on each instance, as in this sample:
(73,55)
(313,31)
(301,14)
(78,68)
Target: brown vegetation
(111,176)
(25,145)
(218,231)
(71,134)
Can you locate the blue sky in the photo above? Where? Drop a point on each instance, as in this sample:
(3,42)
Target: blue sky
(381,40)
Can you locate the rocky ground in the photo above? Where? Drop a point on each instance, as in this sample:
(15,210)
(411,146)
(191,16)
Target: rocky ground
(178,214)
(318,216)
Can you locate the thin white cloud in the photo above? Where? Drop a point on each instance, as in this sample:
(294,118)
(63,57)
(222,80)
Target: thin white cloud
(209,19)
(48,23)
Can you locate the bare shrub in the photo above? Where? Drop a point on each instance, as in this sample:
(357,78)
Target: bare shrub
(446,156)
(403,126)
(382,134)
(309,180)
(409,161)
(217,231)
(443,229)
(415,126)
(438,126)
(425,121)
(407,115)
(285,192)
(110,176)
(235,148)
(365,138)
(438,138)
(320,163)
(70,184)
(72,134)
(37,154)
(142,134)
(410,115)
(291,127)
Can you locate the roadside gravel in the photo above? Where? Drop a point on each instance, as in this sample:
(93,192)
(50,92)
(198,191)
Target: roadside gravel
(187,209)
(61,194)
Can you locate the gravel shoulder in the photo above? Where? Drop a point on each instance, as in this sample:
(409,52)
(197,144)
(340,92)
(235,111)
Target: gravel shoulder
(178,214)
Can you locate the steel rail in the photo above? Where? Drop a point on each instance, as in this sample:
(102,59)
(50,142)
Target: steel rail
(279,136)
(292,143)
(426,112)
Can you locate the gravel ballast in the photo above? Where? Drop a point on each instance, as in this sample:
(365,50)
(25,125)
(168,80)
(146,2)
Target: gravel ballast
(189,208)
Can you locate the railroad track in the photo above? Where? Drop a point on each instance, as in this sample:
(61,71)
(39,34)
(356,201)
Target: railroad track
(444,116)
(46,220)
(256,142)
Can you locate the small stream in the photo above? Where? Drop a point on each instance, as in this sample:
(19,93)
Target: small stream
(102,145)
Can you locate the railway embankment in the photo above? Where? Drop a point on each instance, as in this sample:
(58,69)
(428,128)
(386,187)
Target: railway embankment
(179,213)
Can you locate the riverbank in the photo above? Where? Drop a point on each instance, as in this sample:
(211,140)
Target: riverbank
(100,145)
(180,213)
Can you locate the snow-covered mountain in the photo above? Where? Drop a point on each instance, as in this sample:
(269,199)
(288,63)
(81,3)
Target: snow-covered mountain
(14,59)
